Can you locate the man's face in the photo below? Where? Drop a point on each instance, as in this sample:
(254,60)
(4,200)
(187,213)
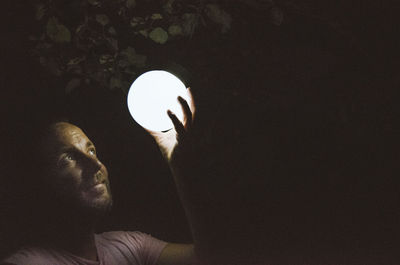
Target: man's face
(75,174)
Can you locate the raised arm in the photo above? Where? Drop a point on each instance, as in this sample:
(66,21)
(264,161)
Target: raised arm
(177,147)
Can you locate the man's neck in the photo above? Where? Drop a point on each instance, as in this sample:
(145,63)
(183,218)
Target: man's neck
(82,245)
(74,234)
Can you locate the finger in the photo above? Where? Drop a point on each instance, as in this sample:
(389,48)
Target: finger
(187,113)
(179,128)
(191,102)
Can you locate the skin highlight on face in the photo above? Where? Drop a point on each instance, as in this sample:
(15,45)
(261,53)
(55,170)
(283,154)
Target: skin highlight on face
(74,171)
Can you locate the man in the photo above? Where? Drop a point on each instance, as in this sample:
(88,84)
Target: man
(78,183)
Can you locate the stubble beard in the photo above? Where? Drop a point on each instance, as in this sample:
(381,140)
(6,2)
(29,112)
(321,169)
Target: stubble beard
(96,207)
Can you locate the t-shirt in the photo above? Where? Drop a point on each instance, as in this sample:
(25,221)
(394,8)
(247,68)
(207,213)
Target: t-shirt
(113,248)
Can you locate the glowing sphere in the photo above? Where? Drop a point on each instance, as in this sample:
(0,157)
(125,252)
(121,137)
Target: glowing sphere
(151,95)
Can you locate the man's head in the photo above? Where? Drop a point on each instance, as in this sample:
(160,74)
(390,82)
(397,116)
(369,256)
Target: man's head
(73,172)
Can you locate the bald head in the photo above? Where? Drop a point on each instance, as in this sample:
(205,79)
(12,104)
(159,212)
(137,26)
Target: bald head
(73,170)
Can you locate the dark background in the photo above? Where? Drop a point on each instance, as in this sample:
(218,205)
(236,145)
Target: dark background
(297,126)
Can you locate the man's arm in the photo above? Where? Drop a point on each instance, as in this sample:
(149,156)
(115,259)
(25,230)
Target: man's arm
(176,146)
(177,254)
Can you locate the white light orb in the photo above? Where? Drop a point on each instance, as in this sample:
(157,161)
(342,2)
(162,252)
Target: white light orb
(151,95)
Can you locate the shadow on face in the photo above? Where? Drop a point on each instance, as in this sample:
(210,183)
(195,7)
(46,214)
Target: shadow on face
(73,172)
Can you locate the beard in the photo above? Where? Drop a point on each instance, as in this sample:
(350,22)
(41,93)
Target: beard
(64,212)
(65,200)
(99,206)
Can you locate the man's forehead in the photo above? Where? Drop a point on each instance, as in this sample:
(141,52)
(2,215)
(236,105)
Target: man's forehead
(64,132)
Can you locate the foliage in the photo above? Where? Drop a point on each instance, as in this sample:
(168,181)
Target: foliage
(95,41)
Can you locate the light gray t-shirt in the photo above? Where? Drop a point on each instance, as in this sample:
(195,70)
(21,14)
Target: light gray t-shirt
(113,248)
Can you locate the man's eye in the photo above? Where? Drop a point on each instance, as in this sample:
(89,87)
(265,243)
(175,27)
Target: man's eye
(92,152)
(69,157)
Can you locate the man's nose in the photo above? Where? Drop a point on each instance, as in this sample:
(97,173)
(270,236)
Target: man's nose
(92,163)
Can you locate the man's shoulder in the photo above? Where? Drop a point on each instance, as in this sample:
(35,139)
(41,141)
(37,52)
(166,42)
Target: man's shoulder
(128,243)
(118,235)
(27,255)
(135,238)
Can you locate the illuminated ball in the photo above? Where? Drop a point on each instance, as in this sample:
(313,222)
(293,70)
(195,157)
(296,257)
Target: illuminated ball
(151,95)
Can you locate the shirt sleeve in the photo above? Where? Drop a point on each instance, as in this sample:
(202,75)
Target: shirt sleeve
(149,248)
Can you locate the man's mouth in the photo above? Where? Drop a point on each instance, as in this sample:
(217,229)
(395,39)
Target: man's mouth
(98,184)
(98,188)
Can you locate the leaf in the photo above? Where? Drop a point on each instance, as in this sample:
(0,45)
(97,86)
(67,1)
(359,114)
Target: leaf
(80,27)
(122,12)
(136,21)
(144,33)
(168,6)
(99,76)
(57,32)
(130,3)
(123,63)
(175,30)
(112,31)
(113,43)
(106,58)
(219,16)
(133,58)
(156,16)
(94,2)
(72,84)
(52,27)
(102,19)
(159,35)
(115,82)
(276,16)
(76,60)
(40,10)
(189,23)
(139,60)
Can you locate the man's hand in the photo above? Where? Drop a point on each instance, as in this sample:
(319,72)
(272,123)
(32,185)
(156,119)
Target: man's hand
(176,141)
(176,147)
